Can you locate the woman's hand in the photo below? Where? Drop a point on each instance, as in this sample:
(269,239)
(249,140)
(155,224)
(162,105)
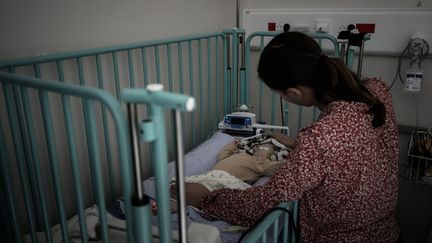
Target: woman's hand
(194,193)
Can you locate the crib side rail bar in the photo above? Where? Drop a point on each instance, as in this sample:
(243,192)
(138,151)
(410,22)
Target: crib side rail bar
(116,67)
(157,100)
(271,222)
(89,52)
(161,98)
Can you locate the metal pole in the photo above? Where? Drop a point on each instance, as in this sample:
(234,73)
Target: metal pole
(228,87)
(238,14)
(360,59)
(135,150)
(242,69)
(343,52)
(181,195)
(235,70)
(243,55)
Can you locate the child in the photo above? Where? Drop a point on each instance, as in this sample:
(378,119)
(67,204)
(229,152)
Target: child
(243,162)
(239,165)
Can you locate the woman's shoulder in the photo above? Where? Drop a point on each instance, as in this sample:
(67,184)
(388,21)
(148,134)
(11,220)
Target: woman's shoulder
(375,84)
(379,88)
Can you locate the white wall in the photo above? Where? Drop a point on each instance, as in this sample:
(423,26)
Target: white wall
(46,26)
(410,109)
(332,3)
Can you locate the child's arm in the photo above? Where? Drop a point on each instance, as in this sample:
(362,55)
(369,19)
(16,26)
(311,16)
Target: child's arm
(227,150)
(285,140)
(269,167)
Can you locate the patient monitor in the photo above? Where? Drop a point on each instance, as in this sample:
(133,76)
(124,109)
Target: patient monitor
(244,123)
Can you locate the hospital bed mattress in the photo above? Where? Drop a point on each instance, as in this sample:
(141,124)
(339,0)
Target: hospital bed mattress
(117,230)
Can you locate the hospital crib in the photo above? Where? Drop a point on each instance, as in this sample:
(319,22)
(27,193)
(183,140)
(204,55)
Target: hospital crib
(66,145)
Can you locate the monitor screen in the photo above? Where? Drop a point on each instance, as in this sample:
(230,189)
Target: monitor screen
(237,121)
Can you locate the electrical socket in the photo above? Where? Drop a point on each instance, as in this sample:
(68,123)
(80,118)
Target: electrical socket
(279,27)
(345,27)
(342,27)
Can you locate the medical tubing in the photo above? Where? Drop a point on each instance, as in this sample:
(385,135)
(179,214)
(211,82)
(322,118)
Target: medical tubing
(398,75)
(290,218)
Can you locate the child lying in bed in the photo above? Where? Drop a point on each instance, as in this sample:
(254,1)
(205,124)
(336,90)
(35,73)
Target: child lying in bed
(239,165)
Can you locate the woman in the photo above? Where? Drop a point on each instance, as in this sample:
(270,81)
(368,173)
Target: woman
(343,168)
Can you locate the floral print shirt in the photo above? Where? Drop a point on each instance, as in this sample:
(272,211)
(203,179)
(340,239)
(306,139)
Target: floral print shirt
(343,171)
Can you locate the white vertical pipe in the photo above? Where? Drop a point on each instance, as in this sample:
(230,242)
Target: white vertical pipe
(181,203)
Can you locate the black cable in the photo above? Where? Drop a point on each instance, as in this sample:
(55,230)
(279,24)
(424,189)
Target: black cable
(410,53)
(290,219)
(399,66)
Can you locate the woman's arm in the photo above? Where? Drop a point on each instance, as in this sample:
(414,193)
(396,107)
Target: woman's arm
(303,170)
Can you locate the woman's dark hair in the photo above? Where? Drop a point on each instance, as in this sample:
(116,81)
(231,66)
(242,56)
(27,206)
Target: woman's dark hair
(293,58)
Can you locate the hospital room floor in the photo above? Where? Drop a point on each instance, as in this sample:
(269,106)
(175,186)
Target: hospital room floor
(414,211)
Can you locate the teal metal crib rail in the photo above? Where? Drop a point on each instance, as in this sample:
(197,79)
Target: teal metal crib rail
(269,229)
(30,161)
(195,65)
(32,157)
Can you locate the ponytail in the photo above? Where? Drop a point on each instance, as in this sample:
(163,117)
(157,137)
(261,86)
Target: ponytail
(379,113)
(346,85)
